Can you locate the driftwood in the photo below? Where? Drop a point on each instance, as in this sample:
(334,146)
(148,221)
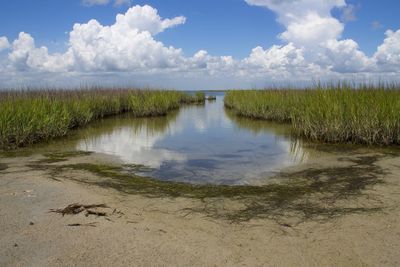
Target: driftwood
(76,208)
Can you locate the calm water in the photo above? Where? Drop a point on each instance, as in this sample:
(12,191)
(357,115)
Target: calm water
(197,144)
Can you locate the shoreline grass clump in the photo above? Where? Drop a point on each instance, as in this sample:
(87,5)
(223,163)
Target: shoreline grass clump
(196,98)
(211,98)
(28,117)
(333,114)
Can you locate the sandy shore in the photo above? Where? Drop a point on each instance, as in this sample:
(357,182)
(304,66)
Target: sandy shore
(143,231)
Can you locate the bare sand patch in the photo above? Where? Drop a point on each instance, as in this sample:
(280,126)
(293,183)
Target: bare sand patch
(183,231)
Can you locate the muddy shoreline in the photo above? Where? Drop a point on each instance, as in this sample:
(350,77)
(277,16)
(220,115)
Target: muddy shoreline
(350,224)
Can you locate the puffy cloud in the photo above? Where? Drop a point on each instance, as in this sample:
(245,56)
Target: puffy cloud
(344,56)
(280,64)
(126,45)
(128,50)
(387,55)
(4,44)
(23,47)
(306,21)
(279,58)
(210,64)
(311,30)
(25,56)
(146,18)
(310,26)
(122,46)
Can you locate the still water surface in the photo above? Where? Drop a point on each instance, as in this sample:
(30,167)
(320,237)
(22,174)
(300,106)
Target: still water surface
(196,144)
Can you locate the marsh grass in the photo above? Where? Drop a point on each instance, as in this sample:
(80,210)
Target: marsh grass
(28,117)
(335,114)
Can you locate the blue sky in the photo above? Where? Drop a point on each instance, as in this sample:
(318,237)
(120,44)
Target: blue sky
(222,28)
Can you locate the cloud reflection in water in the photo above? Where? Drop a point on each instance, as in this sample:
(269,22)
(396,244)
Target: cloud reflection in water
(201,144)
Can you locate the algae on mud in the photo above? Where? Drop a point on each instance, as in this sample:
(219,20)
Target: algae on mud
(62,156)
(311,194)
(3,166)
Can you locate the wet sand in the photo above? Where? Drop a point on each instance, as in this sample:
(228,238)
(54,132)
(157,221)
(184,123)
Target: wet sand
(168,231)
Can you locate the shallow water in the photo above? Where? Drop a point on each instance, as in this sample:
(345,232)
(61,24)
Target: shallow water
(196,144)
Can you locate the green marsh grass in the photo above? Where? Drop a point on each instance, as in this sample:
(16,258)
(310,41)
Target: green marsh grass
(333,114)
(196,98)
(28,117)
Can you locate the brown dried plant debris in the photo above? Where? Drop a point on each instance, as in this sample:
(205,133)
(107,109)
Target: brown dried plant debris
(77,208)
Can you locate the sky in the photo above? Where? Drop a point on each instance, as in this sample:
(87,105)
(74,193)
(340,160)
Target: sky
(191,44)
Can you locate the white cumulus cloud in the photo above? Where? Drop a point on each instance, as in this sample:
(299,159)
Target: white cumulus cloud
(306,21)
(25,55)
(311,30)
(276,58)
(311,26)
(387,55)
(129,50)
(146,18)
(344,56)
(128,44)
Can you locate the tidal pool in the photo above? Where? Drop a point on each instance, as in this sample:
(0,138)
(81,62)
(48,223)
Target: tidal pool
(196,144)
(207,148)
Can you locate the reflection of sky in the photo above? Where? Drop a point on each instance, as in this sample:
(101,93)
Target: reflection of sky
(201,145)
(132,147)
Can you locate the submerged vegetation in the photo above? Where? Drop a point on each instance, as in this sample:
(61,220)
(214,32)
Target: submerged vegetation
(334,114)
(28,117)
